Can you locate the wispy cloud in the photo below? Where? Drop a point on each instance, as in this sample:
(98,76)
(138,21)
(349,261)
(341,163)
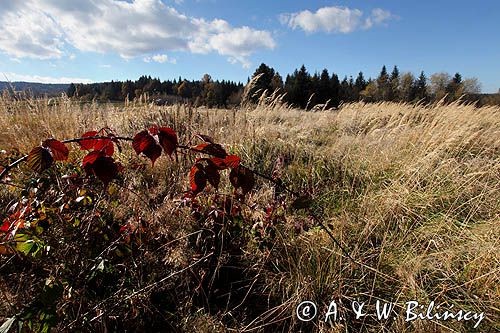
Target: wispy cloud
(42,79)
(335,19)
(378,17)
(43,29)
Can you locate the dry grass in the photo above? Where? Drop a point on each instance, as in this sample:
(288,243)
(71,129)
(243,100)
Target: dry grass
(413,191)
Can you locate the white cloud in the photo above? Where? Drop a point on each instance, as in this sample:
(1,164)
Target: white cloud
(27,33)
(334,19)
(160,58)
(235,43)
(43,79)
(43,28)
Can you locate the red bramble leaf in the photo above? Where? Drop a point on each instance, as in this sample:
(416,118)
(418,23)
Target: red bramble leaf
(213,149)
(212,174)
(15,221)
(58,149)
(105,145)
(142,140)
(90,158)
(150,142)
(145,144)
(152,152)
(103,167)
(242,177)
(197,178)
(39,159)
(5,226)
(153,130)
(168,139)
(229,162)
(89,143)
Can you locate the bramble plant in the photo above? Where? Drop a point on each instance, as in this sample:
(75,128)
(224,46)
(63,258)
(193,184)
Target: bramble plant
(151,143)
(24,231)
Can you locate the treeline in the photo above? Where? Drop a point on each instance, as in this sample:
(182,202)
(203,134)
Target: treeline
(300,89)
(305,90)
(202,92)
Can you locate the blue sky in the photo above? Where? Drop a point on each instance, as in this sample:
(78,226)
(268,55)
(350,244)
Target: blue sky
(92,41)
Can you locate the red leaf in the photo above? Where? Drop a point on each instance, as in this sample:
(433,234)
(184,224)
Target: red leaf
(168,139)
(5,226)
(106,146)
(213,149)
(90,158)
(230,162)
(152,152)
(39,159)
(212,174)
(243,178)
(103,167)
(89,143)
(197,178)
(58,149)
(145,144)
(153,130)
(141,141)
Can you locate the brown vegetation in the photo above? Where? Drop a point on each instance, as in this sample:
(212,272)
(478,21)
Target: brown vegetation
(412,191)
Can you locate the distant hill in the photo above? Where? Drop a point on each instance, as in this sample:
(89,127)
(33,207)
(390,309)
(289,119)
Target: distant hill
(38,89)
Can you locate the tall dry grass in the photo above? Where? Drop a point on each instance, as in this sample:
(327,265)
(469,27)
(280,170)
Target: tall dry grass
(413,191)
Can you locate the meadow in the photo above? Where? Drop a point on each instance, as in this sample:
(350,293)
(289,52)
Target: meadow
(410,191)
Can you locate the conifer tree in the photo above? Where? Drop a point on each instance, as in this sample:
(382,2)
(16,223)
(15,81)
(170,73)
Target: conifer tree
(335,94)
(421,87)
(360,83)
(383,84)
(324,87)
(393,88)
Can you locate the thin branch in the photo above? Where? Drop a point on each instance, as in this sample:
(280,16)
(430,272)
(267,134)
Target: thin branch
(12,165)
(121,138)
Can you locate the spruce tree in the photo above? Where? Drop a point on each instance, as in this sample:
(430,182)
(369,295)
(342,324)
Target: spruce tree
(383,84)
(454,87)
(304,86)
(263,83)
(324,87)
(360,84)
(393,88)
(335,94)
(421,87)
